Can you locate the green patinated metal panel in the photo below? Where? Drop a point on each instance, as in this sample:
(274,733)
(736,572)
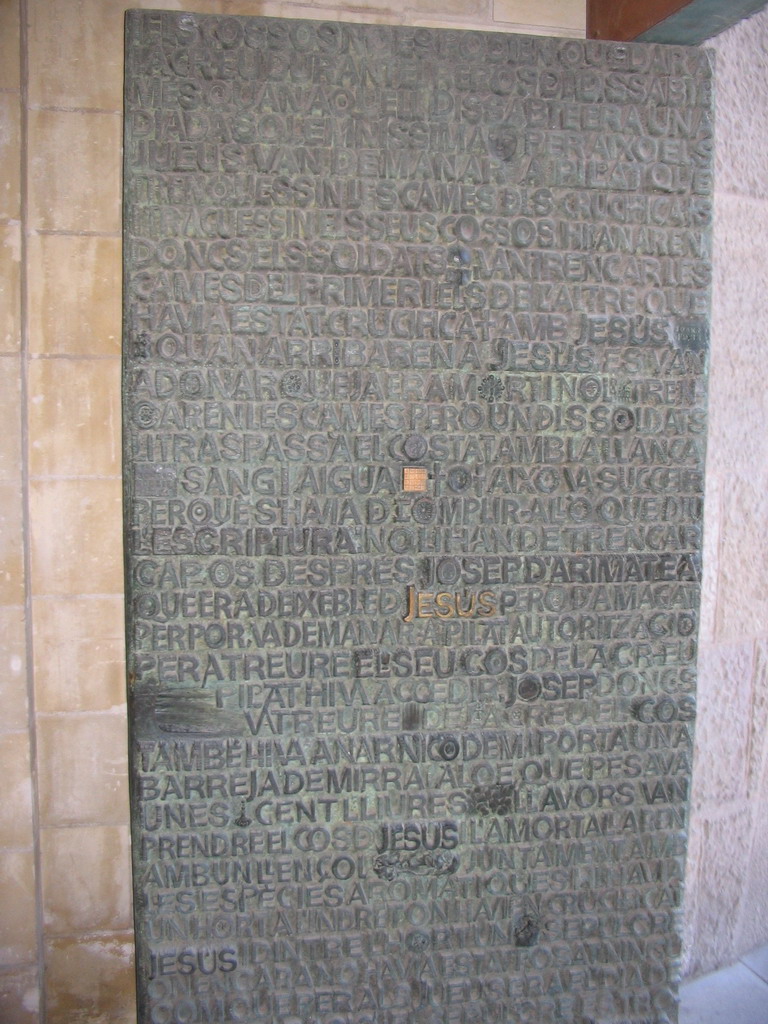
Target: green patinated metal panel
(415,345)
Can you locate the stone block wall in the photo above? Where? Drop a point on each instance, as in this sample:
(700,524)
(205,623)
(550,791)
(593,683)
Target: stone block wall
(65,914)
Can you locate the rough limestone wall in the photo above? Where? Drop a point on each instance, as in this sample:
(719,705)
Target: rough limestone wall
(727,876)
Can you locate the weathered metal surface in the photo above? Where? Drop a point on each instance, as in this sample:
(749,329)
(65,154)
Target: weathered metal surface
(416,328)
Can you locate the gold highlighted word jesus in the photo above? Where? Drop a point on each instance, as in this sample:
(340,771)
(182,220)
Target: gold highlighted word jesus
(424,604)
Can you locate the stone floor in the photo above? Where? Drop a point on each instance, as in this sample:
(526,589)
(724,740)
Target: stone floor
(734,995)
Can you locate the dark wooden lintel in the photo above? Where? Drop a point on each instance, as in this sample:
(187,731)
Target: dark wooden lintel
(627,19)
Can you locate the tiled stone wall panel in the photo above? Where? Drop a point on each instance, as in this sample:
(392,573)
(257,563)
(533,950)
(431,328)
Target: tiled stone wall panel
(92,29)
(85,888)
(73,179)
(564,16)
(74,546)
(19,962)
(18,921)
(10,288)
(16,806)
(90,980)
(79,639)
(13,669)
(10,418)
(10,147)
(74,295)
(74,417)
(83,780)
(10,48)
(11,552)
(20,995)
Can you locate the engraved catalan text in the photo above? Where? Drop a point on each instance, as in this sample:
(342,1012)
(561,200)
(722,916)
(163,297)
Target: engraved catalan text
(416,334)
